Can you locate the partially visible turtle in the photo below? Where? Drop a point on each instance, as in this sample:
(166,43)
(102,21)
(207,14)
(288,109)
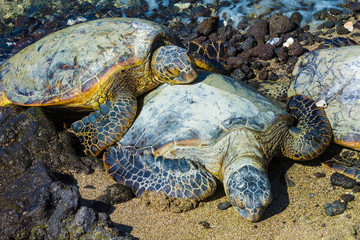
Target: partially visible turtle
(337,42)
(332,78)
(100,65)
(187,135)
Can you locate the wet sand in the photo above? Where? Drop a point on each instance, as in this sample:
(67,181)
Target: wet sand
(297,210)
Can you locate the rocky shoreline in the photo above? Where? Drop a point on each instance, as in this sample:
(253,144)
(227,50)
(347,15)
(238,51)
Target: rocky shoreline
(39,197)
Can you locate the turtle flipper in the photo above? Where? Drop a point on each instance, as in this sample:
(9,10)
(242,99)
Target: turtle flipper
(204,63)
(105,126)
(312,133)
(179,178)
(210,57)
(346,163)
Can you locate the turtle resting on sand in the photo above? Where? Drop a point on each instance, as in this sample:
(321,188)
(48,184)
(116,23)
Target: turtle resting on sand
(100,65)
(217,127)
(332,78)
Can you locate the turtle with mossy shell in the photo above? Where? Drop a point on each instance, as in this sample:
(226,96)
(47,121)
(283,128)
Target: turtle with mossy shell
(215,127)
(332,78)
(101,65)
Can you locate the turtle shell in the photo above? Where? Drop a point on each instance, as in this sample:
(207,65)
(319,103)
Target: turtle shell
(177,120)
(69,66)
(331,77)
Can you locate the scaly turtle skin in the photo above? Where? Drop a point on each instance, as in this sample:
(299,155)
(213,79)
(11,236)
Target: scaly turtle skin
(215,127)
(331,77)
(100,65)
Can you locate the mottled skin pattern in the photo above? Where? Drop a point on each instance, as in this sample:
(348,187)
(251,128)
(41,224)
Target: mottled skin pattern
(333,76)
(311,133)
(347,163)
(89,64)
(215,127)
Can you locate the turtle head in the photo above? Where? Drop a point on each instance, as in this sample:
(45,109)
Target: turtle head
(248,189)
(173,65)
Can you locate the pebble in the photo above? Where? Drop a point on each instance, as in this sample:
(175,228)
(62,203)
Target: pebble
(282,53)
(182,6)
(321,103)
(205,224)
(342,30)
(329,24)
(334,208)
(347,197)
(238,74)
(273,41)
(356,189)
(224,205)
(349,26)
(295,49)
(319,175)
(74,21)
(288,42)
(338,179)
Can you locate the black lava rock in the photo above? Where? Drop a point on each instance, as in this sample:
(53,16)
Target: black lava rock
(27,136)
(319,175)
(282,53)
(329,24)
(280,24)
(258,30)
(334,208)
(296,18)
(347,197)
(36,206)
(338,179)
(342,30)
(205,224)
(295,49)
(264,52)
(238,74)
(321,15)
(116,193)
(207,26)
(224,205)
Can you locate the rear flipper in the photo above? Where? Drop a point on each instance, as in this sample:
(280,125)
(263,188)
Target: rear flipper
(105,126)
(179,178)
(346,163)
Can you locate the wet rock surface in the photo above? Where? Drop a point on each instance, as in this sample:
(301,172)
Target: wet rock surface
(38,206)
(27,136)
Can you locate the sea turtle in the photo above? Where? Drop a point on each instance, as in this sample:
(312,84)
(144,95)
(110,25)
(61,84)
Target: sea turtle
(214,127)
(100,65)
(331,77)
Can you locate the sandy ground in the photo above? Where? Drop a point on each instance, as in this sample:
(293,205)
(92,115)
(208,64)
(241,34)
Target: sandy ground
(297,210)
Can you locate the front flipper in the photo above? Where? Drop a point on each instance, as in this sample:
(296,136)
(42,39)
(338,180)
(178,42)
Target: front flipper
(312,133)
(210,57)
(105,126)
(179,178)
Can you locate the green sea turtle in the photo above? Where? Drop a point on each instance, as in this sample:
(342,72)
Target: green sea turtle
(331,77)
(100,65)
(214,127)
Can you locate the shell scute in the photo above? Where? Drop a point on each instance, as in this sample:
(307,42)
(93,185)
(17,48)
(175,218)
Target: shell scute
(332,76)
(227,108)
(77,60)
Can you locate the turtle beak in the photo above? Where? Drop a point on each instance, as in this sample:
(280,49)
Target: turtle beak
(189,76)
